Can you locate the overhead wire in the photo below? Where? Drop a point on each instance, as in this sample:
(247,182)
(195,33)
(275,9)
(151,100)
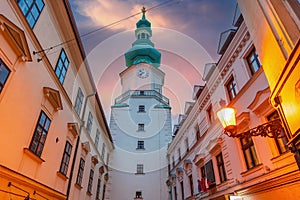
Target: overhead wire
(46,50)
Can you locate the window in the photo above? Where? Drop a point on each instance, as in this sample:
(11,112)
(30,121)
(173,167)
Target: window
(4,73)
(191,185)
(103,151)
(80,172)
(89,189)
(197,133)
(138,194)
(139,168)
(107,158)
(62,66)
(221,168)
(281,143)
(89,123)
(40,134)
(140,144)
(65,159)
(207,171)
(98,189)
(182,190)
(253,61)
(249,152)
(141,127)
(175,193)
(141,108)
(231,88)
(173,161)
(78,102)
(187,145)
(103,192)
(179,155)
(210,114)
(97,138)
(31,10)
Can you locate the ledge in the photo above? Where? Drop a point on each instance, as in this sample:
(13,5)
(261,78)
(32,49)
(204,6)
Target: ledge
(89,193)
(33,156)
(78,186)
(61,175)
(252,170)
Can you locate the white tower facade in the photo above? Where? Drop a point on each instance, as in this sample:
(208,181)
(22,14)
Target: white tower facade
(140,124)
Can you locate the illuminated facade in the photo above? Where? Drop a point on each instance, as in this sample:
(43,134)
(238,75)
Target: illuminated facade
(204,163)
(274,26)
(55,143)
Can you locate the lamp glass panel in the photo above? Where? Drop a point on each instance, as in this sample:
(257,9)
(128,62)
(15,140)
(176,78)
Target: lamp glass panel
(227,117)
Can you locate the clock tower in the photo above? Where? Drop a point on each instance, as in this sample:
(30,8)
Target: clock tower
(140,124)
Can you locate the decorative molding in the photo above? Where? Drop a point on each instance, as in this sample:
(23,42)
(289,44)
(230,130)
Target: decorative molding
(53,97)
(74,129)
(101,170)
(94,160)
(86,147)
(16,37)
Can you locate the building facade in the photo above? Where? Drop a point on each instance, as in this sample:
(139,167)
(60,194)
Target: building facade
(140,123)
(204,163)
(274,26)
(55,143)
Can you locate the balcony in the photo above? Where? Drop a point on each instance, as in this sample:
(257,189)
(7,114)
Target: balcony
(142,93)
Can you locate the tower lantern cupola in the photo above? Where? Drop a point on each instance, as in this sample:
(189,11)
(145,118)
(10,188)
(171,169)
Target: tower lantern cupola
(142,48)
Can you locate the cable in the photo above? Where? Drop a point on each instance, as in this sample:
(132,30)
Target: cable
(101,28)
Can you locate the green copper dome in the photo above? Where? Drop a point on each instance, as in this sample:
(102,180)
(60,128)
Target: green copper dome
(142,49)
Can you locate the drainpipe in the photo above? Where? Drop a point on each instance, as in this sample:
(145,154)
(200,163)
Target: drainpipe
(77,144)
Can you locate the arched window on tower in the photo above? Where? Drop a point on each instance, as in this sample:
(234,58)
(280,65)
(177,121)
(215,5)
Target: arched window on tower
(143,35)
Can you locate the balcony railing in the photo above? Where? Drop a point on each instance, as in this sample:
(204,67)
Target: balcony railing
(142,93)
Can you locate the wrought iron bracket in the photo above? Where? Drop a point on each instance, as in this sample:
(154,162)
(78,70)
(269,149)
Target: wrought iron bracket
(272,129)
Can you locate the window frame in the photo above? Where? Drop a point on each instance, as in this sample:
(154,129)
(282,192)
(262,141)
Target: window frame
(2,84)
(103,151)
(59,69)
(79,101)
(140,144)
(140,169)
(28,11)
(98,189)
(221,167)
(281,143)
(89,123)
(80,172)
(253,61)
(249,145)
(141,127)
(97,138)
(141,109)
(37,150)
(90,183)
(66,158)
(191,184)
(231,88)
(138,194)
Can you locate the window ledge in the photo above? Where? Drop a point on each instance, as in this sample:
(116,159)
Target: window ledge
(140,149)
(252,170)
(139,173)
(140,130)
(78,186)
(89,193)
(283,159)
(61,175)
(33,156)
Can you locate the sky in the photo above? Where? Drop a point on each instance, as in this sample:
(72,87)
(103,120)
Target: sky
(186,32)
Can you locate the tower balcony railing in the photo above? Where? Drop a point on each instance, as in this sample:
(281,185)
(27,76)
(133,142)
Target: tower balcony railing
(142,93)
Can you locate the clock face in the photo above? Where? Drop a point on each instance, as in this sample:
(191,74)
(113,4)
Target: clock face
(142,72)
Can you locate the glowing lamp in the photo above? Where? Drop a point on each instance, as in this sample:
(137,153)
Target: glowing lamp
(271,129)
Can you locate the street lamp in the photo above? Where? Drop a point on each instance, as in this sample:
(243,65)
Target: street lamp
(272,129)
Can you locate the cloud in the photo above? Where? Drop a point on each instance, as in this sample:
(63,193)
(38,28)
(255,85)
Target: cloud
(105,12)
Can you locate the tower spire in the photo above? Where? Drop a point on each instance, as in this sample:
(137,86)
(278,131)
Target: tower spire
(144,11)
